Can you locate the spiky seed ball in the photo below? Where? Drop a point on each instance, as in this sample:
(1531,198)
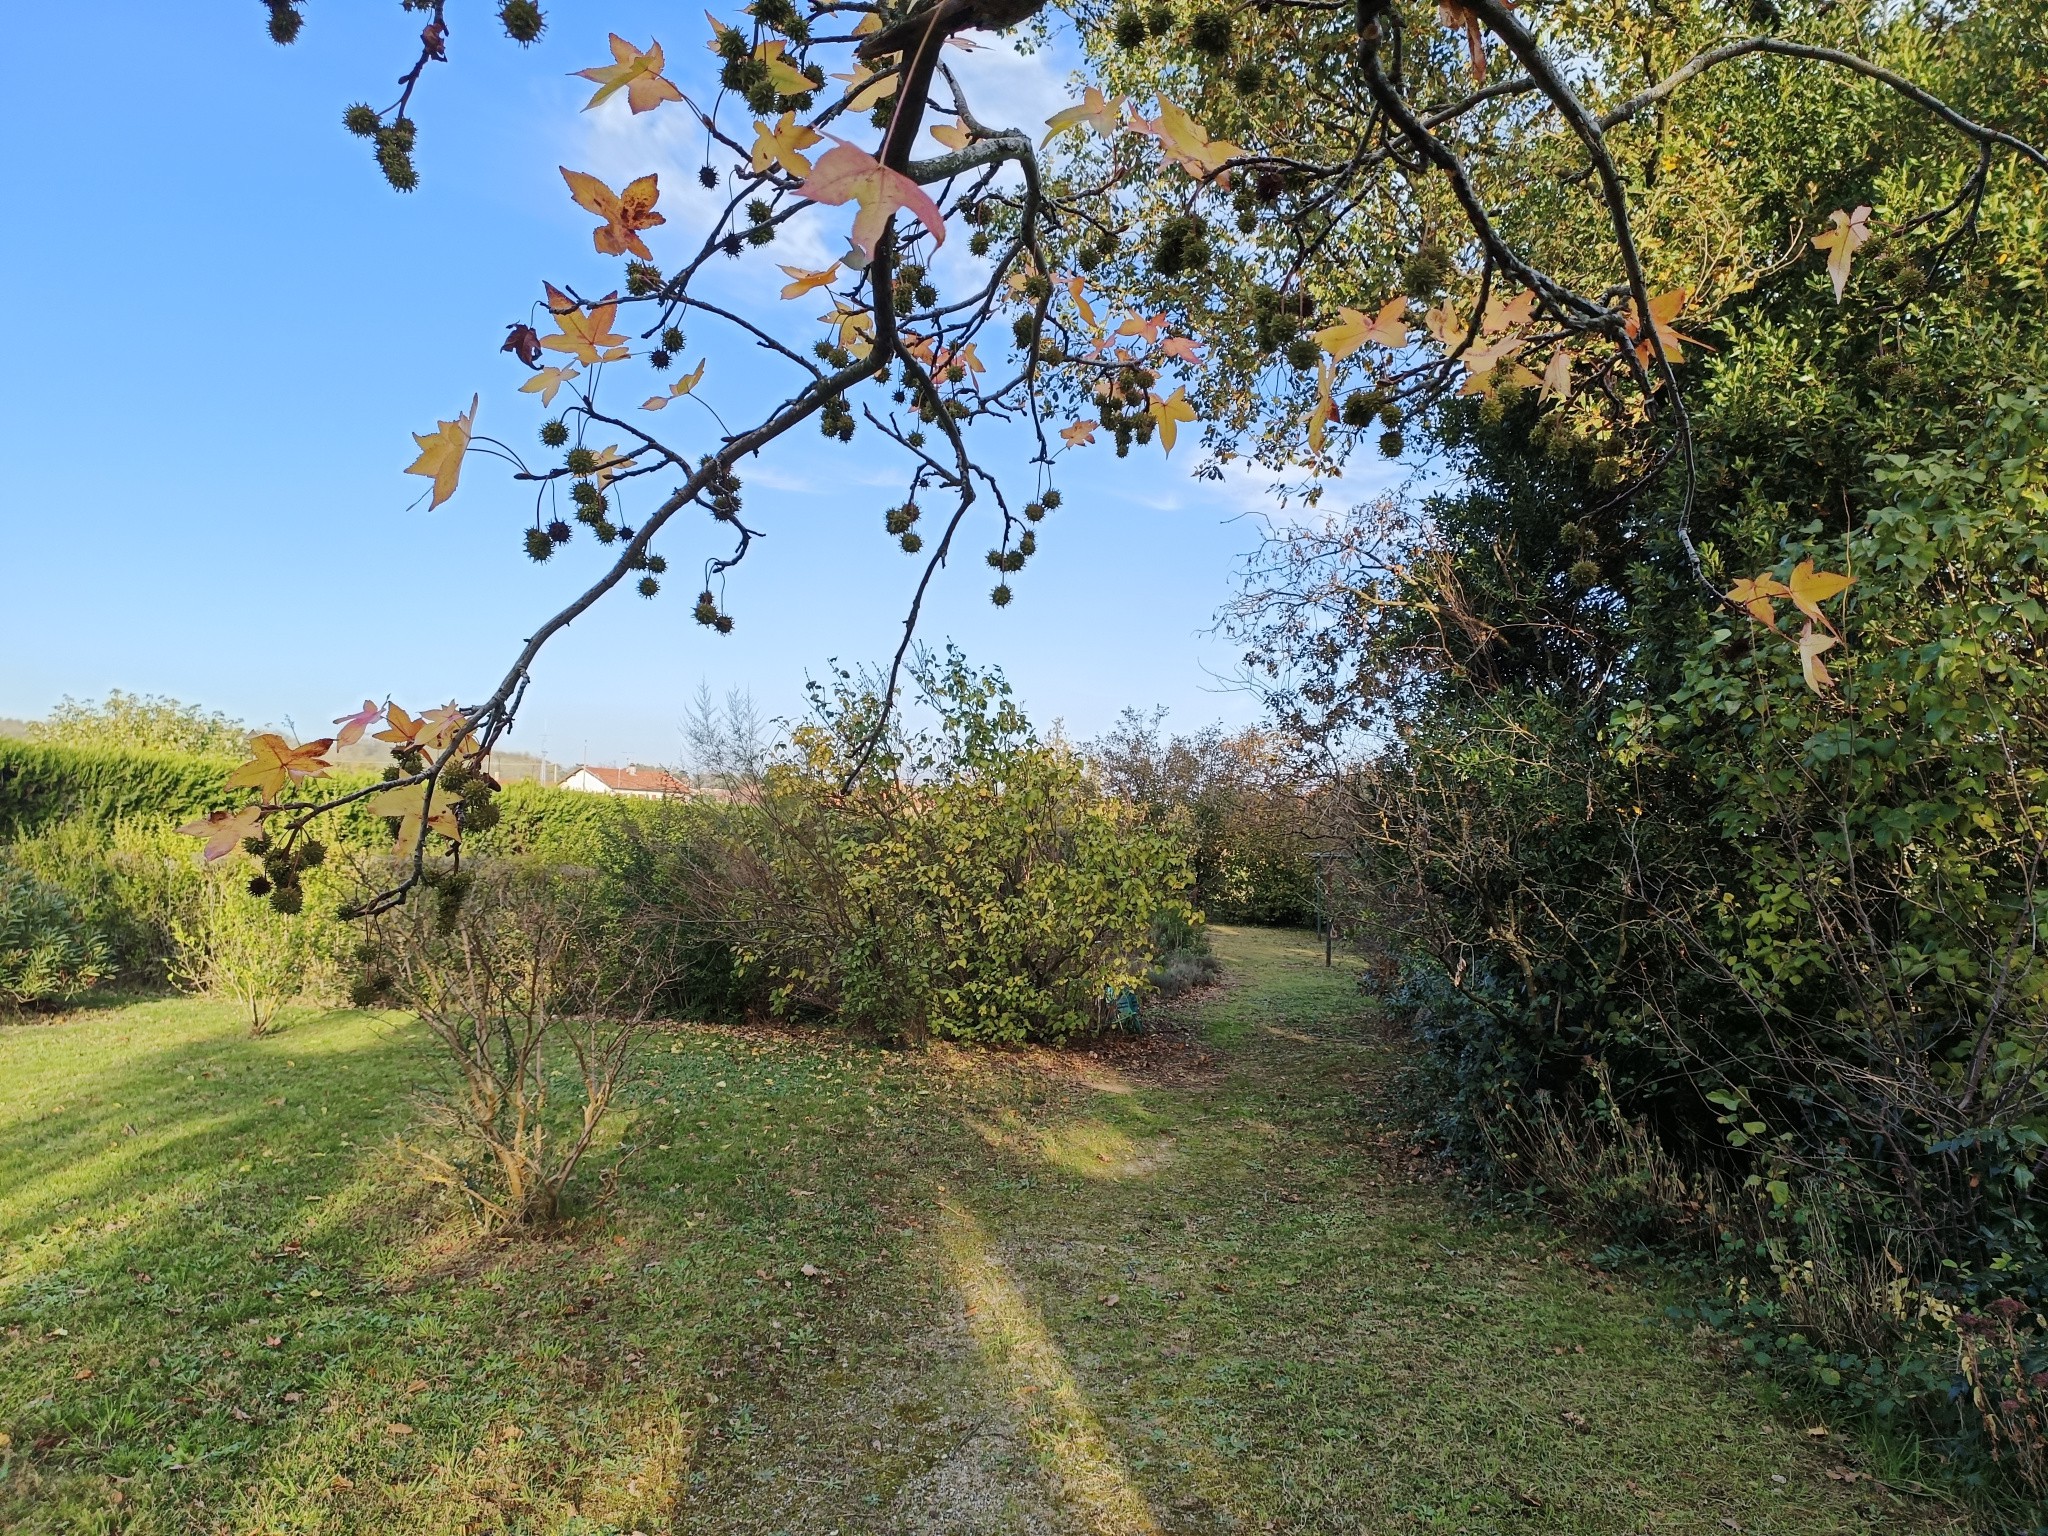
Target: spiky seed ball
(978,243)
(1001,595)
(642,277)
(1583,574)
(911,542)
(1014,560)
(361,120)
(538,545)
(1491,411)
(1391,416)
(708,177)
(995,559)
(723,624)
(1034,511)
(554,433)
(522,21)
(581,461)
(1249,78)
(1129,30)
(1391,445)
(587,496)
(605,531)
(288,899)
(1051,498)
(1159,18)
(659,358)
(259,845)
(657,563)
(558,532)
(1210,33)
(1424,273)
(1302,352)
(285,21)
(1027,544)
(1605,474)
(649,586)
(259,885)
(672,339)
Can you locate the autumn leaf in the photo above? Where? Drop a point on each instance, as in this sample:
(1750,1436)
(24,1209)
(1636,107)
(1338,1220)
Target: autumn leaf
(1456,16)
(846,173)
(353,726)
(1076,289)
(1809,588)
(1812,643)
(441,453)
(856,328)
(1187,142)
(1324,410)
(802,282)
(637,74)
(1518,311)
(523,342)
(1444,325)
(442,724)
(1388,328)
(951,135)
(276,762)
(1182,348)
(1664,309)
(787,79)
(401,729)
(1843,242)
(547,381)
(408,806)
(586,334)
(1753,595)
(1169,413)
(224,830)
(1557,376)
(609,462)
(784,145)
(1080,435)
(677,390)
(625,213)
(1094,110)
(1147,326)
(865,86)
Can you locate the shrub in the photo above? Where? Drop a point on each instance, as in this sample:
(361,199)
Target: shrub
(235,947)
(47,952)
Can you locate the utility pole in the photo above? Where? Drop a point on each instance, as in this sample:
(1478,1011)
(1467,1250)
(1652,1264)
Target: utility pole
(1326,903)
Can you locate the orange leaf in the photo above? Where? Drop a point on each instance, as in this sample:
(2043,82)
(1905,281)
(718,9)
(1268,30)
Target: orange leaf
(1079,435)
(637,74)
(1664,308)
(276,763)
(441,453)
(402,730)
(353,726)
(1455,16)
(784,144)
(224,830)
(802,282)
(1809,588)
(625,213)
(846,174)
(677,390)
(1754,595)
(1186,142)
(588,335)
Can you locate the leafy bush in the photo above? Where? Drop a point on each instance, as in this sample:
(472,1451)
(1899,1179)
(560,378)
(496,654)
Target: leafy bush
(141,722)
(235,947)
(47,952)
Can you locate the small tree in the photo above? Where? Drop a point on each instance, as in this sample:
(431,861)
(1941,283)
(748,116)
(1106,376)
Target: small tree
(512,968)
(236,948)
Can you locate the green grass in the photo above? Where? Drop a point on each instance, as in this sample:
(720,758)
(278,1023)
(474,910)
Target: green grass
(1182,1288)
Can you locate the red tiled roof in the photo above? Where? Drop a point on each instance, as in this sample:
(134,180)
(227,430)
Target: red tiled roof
(636,780)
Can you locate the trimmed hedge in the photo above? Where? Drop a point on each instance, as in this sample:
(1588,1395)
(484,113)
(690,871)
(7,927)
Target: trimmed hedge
(41,786)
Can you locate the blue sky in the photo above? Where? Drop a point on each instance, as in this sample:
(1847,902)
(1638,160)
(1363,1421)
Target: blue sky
(223,326)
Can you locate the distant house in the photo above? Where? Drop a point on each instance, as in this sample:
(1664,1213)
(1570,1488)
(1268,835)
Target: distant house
(633,779)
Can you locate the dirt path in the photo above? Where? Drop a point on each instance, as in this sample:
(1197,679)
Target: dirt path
(1196,1289)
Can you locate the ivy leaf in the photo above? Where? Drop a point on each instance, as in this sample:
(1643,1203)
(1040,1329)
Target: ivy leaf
(637,74)
(784,145)
(276,762)
(547,381)
(848,174)
(802,281)
(1169,413)
(1810,588)
(1812,643)
(1843,242)
(1094,110)
(441,453)
(588,335)
(1754,595)
(1080,435)
(224,830)
(353,726)
(625,213)
(677,390)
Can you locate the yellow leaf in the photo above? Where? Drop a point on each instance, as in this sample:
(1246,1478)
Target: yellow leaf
(1519,310)
(408,806)
(1079,435)
(637,74)
(1812,644)
(802,282)
(951,135)
(1324,410)
(1557,377)
(547,381)
(353,726)
(625,213)
(865,86)
(846,174)
(1075,288)
(1664,309)
(1446,328)
(276,762)
(1147,326)
(787,79)
(442,724)
(1169,413)
(441,453)
(401,729)
(1809,588)
(584,332)
(1187,142)
(1843,242)
(677,390)
(1388,328)
(856,328)
(1754,594)
(784,144)
(1094,110)
(224,830)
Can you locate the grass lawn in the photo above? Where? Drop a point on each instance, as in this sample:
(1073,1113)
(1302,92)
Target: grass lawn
(1179,1287)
